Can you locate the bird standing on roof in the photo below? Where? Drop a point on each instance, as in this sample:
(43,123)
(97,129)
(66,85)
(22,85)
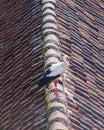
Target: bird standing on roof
(54,71)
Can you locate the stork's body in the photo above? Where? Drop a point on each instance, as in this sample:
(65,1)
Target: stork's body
(54,71)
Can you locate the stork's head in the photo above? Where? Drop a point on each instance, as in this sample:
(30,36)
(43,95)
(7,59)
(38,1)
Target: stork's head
(66,60)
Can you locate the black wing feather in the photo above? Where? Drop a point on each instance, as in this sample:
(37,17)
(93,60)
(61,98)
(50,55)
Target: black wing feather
(46,80)
(47,72)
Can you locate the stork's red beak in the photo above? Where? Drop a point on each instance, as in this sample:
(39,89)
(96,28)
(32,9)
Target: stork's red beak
(69,60)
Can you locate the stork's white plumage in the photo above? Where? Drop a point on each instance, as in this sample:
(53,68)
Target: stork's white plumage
(54,71)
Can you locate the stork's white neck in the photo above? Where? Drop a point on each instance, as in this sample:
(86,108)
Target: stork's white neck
(60,64)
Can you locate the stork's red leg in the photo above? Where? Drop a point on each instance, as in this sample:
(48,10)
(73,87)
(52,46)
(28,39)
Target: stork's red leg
(56,91)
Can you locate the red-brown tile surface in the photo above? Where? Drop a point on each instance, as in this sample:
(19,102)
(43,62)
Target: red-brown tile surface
(20,66)
(81,28)
(81,33)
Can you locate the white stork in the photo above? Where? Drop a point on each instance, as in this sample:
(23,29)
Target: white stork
(54,71)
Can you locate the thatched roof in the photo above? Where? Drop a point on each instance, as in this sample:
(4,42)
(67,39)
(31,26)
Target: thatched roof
(81,32)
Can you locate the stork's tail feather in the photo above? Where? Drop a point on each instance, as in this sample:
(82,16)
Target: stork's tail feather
(42,82)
